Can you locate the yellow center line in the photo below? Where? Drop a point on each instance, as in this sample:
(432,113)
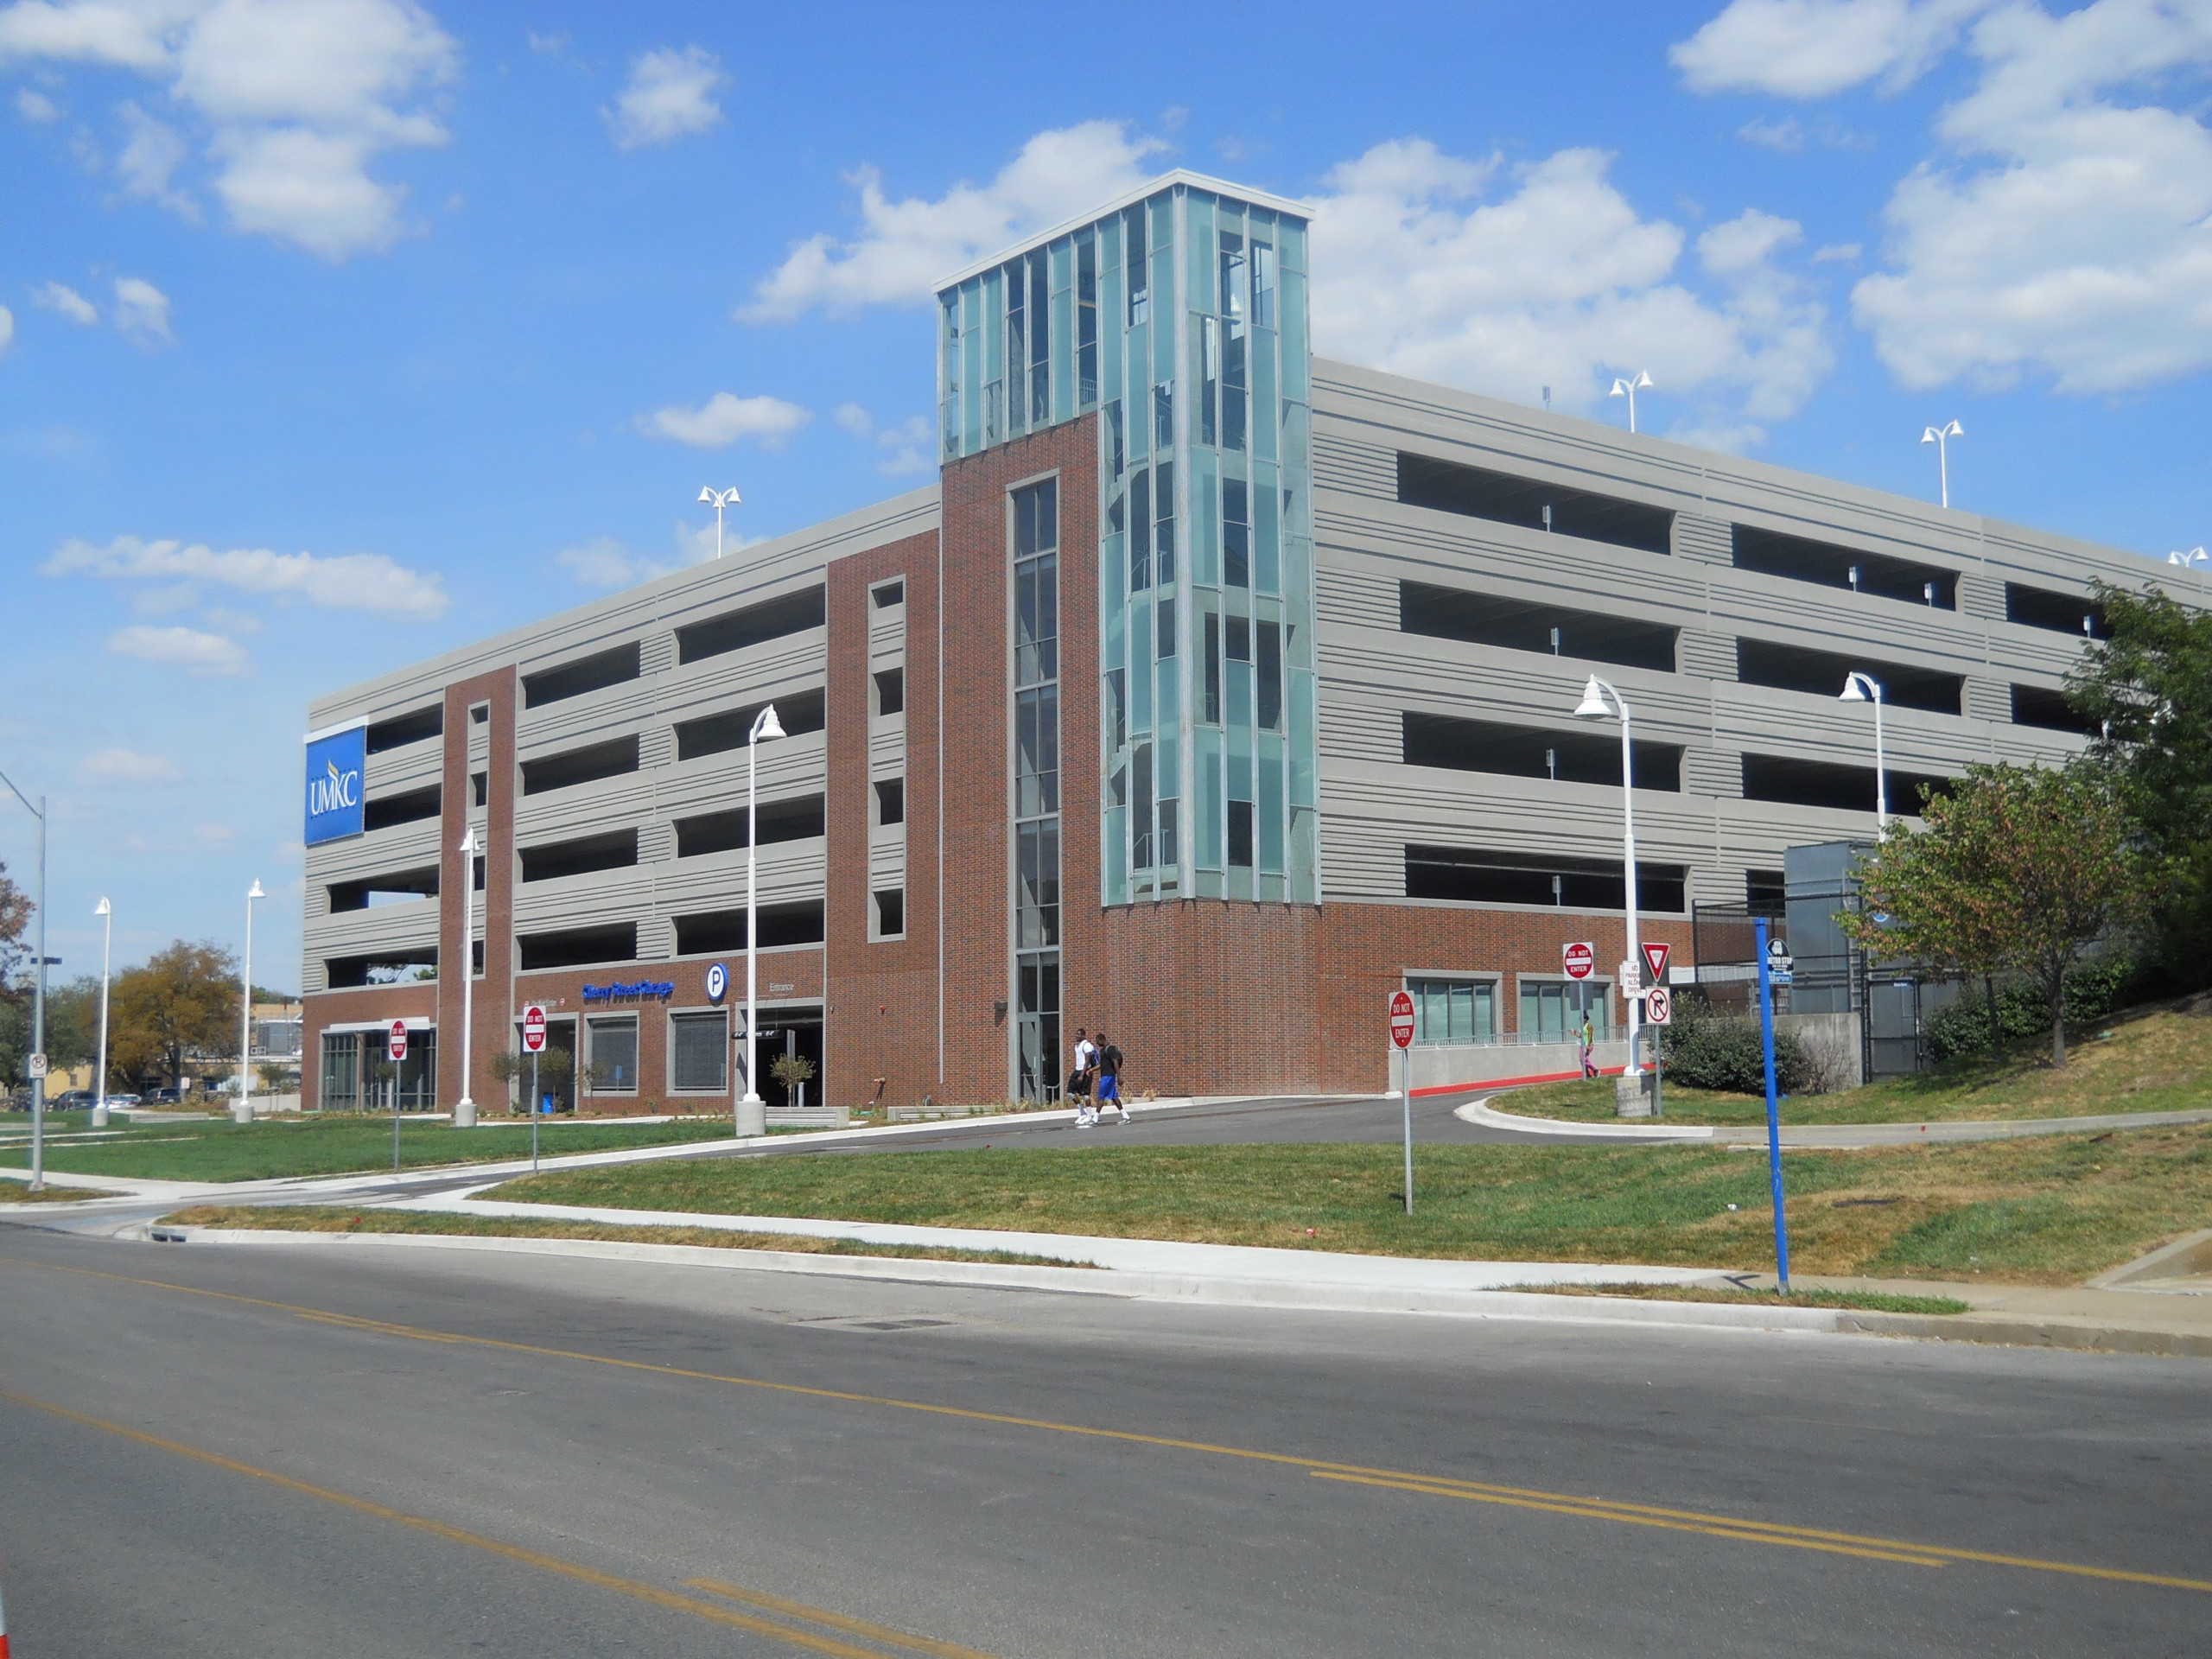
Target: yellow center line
(1600,1508)
(851,1626)
(582,1574)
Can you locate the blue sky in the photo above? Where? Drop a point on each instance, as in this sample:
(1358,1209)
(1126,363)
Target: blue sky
(339,332)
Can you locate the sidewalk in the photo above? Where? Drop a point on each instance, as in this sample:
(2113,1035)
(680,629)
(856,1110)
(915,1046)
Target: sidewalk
(1816,1137)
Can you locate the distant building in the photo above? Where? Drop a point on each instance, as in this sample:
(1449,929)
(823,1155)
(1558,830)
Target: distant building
(1210,694)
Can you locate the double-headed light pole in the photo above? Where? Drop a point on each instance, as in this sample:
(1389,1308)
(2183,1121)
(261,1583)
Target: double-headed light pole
(719,499)
(38,1005)
(1940,437)
(1594,706)
(242,1112)
(1627,388)
(750,1115)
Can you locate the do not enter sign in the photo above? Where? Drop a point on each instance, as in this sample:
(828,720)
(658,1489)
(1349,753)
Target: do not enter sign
(1401,1018)
(394,1042)
(533,1028)
(1579,958)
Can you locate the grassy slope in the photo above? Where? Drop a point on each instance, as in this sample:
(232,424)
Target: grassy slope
(2047,1210)
(223,1151)
(2155,1062)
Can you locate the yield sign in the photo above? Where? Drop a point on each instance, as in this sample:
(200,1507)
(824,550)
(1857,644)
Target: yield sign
(1655,957)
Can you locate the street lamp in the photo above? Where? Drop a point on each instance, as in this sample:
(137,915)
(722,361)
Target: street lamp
(2194,557)
(1628,389)
(242,1112)
(107,912)
(38,1005)
(1864,688)
(1939,436)
(464,1109)
(750,1115)
(1593,706)
(718,501)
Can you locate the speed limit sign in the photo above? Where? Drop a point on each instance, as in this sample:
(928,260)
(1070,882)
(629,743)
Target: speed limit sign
(1658,1007)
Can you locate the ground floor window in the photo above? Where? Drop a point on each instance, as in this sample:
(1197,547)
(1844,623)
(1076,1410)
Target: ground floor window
(1454,1010)
(1037,1024)
(698,1052)
(1551,1010)
(340,1089)
(357,1077)
(613,1056)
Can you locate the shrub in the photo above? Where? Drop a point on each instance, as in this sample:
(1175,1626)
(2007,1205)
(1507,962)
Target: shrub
(1704,1049)
(2093,990)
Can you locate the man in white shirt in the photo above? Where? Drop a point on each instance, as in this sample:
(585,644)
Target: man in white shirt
(1086,1056)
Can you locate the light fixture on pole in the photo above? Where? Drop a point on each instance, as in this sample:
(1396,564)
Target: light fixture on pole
(1864,688)
(38,1004)
(1940,436)
(718,501)
(750,1115)
(106,913)
(464,1109)
(2194,558)
(1593,706)
(242,1107)
(1628,389)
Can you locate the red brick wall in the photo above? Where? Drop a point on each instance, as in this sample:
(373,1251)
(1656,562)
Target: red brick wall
(881,1013)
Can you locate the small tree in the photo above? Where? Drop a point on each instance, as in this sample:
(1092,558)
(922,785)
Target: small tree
(2020,867)
(184,998)
(792,1071)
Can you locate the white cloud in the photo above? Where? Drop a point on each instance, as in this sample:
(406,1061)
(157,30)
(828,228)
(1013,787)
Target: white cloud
(1504,281)
(903,247)
(606,563)
(905,447)
(152,157)
(6,327)
(142,310)
(354,581)
(1838,253)
(54,296)
(122,767)
(1808,48)
(185,648)
(724,418)
(295,100)
(851,417)
(36,108)
(1786,136)
(670,95)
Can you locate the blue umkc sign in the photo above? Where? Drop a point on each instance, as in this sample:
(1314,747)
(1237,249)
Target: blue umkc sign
(337,772)
(624,988)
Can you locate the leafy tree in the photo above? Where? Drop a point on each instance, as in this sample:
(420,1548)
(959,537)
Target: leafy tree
(16,908)
(73,1015)
(2028,867)
(2147,690)
(184,1000)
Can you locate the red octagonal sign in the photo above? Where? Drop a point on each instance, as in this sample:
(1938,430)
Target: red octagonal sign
(1401,1018)
(533,1028)
(395,1040)
(1579,958)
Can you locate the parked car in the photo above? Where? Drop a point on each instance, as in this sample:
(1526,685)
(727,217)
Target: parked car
(118,1102)
(77,1100)
(166,1098)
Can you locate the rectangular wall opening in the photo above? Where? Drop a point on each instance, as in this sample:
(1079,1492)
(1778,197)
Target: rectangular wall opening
(1475,876)
(754,625)
(890,914)
(797,819)
(1772,553)
(891,691)
(613,849)
(1519,624)
(587,765)
(412,806)
(402,966)
(1531,504)
(799,713)
(891,801)
(1826,782)
(396,887)
(403,729)
(719,932)
(1821,673)
(1583,757)
(578,947)
(2041,608)
(2037,705)
(590,673)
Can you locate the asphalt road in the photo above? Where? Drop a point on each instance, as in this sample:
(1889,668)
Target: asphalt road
(212,1450)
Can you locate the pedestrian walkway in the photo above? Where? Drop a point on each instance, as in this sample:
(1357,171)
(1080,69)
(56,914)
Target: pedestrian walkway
(1811,1137)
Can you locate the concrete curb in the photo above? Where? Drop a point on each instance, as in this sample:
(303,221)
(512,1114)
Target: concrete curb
(1478,1112)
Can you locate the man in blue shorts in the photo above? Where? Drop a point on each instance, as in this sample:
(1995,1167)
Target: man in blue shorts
(1110,1077)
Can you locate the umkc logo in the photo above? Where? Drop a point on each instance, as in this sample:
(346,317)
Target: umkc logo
(334,792)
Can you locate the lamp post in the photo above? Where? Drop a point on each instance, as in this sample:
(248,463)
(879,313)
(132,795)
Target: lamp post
(1593,706)
(1628,389)
(1864,688)
(750,1115)
(38,1005)
(2195,558)
(242,1110)
(106,913)
(464,1109)
(1940,436)
(718,501)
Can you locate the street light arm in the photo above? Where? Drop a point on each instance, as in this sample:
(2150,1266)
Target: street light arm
(25,799)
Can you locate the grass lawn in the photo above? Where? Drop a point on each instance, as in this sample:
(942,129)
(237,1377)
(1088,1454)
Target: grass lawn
(2045,1211)
(220,1150)
(2158,1062)
(1870,1301)
(20,1192)
(316,1218)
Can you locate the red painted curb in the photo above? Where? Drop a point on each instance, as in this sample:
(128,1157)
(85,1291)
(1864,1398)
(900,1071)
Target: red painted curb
(1514,1082)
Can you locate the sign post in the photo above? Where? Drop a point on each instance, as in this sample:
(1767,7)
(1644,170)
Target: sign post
(1658,1010)
(533,1043)
(1767,955)
(395,1048)
(1402,1034)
